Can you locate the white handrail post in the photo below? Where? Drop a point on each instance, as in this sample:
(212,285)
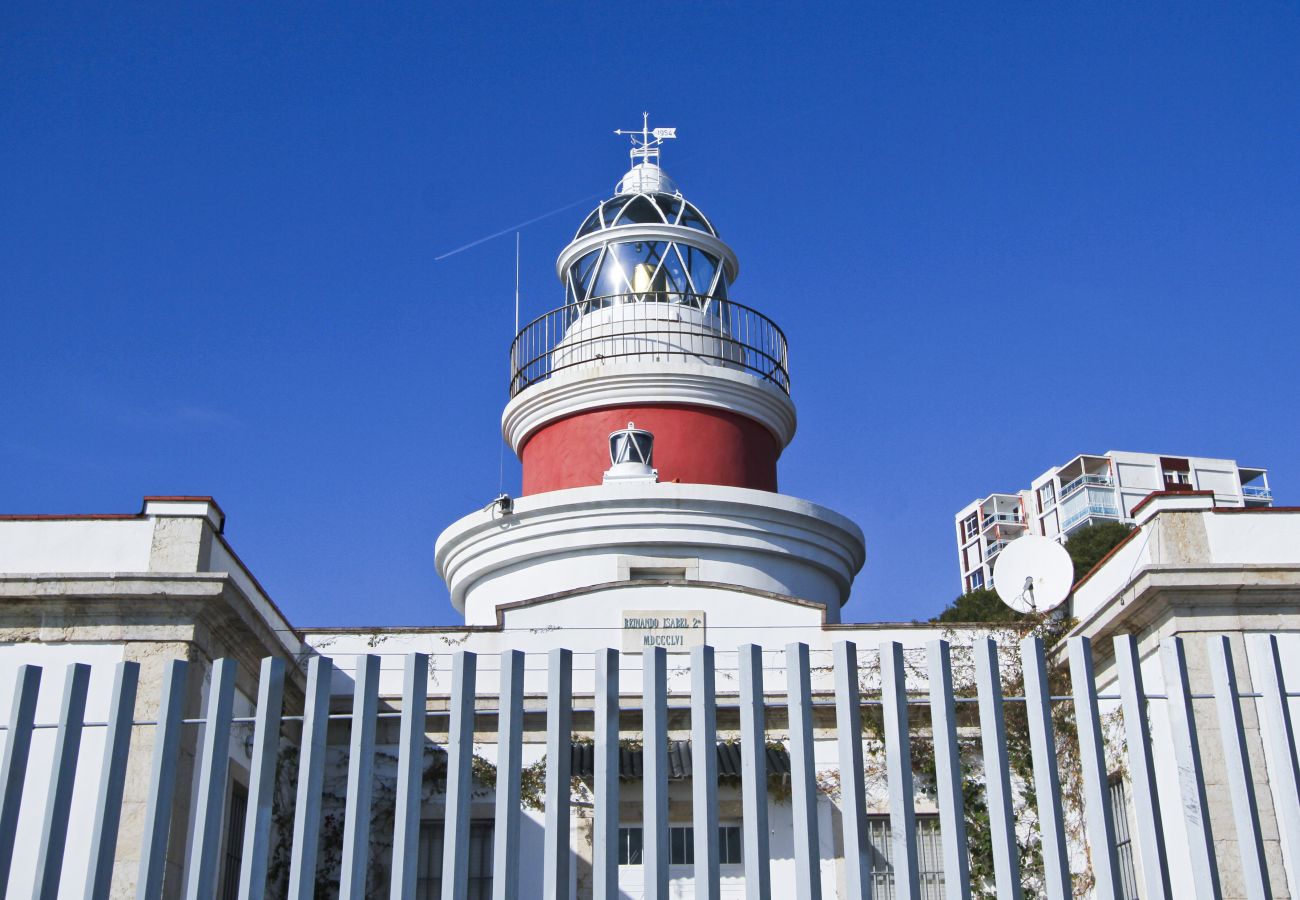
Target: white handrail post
(753,773)
(410,777)
(311,777)
(803,776)
(361,762)
(997,769)
(898,762)
(108,806)
(1146,801)
(853,789)
(202,870)
(1236,761)
(1278,732)
(1187,756)
(510,738)
(1047,779)
(460,777)
(261,787)
(1092,759)
(604,848)
(654,711)
(704,773)
(559,771)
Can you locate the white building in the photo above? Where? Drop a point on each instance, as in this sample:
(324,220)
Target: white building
(649,413)
(1090,489)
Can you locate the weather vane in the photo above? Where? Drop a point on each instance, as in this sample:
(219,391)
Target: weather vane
(645,143)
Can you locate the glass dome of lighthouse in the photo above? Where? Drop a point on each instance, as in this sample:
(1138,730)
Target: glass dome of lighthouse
(647,281)
(647,243)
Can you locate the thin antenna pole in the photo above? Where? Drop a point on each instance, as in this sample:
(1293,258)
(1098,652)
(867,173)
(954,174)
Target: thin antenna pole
(516,283)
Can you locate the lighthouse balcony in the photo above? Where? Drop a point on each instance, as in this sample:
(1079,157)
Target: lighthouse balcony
(651,326)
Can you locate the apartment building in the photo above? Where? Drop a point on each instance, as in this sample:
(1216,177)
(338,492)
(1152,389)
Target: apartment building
(1088,489)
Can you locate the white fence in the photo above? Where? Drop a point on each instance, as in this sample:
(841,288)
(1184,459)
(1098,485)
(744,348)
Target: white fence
(804,706)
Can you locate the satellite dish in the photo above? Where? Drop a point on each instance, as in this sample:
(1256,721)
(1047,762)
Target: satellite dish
(1033,574)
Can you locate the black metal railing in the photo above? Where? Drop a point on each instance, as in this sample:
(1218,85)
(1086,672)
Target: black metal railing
(647,327)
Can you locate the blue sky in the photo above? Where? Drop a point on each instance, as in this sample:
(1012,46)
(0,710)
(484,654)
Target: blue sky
(995,235)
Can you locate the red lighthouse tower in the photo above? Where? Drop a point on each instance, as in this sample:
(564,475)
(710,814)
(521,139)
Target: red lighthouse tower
(649,412)
(649,334)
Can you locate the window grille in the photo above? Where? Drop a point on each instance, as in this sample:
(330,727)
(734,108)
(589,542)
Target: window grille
(629,846)
(1123,839)
(428,883)
(681,845)
(929,857)
(235,820)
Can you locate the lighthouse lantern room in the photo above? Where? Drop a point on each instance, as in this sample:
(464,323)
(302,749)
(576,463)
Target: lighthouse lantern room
(649,333)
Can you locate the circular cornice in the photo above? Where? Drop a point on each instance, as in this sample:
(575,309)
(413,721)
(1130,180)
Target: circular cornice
(648,231)
(599,386)
(562,525)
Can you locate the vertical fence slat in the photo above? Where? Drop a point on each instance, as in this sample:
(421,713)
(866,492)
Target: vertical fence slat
(108,803)
(460,784)
(311,777)
(261,786)
(162,781)
(1204,875)
(1141,769)
(510,740)
(1092,759)
(361,762)
(410,777)
(1236,763)
(604,861)
(13,769)
(202,869)
(997,769)
(704,773)
(948,776)
(753,773)
(559,771)
(1278,732)
(803,777)
(1047,778)
(898,762)
(654,711)
(58,803)
(853,796)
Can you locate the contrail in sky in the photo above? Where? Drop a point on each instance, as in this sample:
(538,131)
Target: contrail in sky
(504,231)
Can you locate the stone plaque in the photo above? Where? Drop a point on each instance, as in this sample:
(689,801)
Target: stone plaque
(676,630)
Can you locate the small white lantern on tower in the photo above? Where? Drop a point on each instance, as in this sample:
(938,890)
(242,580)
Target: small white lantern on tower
(631,456)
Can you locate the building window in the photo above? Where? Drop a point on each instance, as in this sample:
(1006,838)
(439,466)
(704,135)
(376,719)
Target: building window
(235,819)
(1046,495)
(428,877)
(629,847)
(975,581)
(1123,838)
(929,857)
(681,845)
(971,525)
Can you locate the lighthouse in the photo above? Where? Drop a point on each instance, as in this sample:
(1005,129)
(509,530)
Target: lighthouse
(649,412)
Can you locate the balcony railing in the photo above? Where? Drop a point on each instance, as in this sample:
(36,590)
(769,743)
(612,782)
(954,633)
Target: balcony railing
(1108,512)
(649,327)
(1256,493)
(1000,519)
(1083,480)
(994,549)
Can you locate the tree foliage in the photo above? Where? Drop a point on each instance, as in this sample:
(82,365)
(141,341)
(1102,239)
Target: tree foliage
(1090,543)
(979,605)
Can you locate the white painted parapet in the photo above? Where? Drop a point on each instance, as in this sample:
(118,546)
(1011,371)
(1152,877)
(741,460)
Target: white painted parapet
(566,540)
